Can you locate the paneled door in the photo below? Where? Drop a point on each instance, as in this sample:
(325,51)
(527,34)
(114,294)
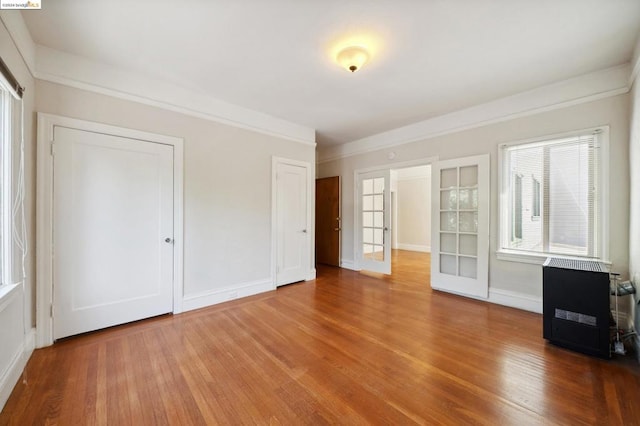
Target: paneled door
(328,223)
(460,226)
(112,230)
(374,221)
(292,224)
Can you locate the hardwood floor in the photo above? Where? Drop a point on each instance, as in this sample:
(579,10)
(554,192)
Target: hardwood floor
(347,348)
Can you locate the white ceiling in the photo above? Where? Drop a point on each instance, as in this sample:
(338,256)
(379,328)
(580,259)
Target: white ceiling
(276,56)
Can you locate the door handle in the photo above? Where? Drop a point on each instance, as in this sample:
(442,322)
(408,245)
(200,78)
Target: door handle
(337,229)
(168,240)
(386,229)
(304,231)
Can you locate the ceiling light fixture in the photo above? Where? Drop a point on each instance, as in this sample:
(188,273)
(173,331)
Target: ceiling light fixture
(352,58)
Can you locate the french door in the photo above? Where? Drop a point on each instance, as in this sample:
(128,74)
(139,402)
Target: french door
(374,222)
(460,226)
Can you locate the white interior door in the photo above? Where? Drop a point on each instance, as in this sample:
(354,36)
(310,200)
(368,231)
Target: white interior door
(292,225)
(112,212)
(374,219)
(460,231)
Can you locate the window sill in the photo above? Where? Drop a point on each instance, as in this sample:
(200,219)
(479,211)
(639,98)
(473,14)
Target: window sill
(536,258)
(6,291)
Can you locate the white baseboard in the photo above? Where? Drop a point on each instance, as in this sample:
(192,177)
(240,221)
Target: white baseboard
(213,297)
(12,374)
(515,300)
(312,275)
(348,264)
(414,247)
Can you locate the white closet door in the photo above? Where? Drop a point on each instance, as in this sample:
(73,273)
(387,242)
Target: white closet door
(112,230)
(460,231)
(292,227)
(374,221)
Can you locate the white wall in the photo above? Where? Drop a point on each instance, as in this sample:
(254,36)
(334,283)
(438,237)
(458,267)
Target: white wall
(17,308)
(227,188)
(414,209)
(519,279)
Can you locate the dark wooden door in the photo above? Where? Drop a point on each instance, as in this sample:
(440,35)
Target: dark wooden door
(328,221)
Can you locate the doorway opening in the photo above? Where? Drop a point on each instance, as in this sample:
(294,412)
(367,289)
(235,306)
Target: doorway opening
(393,220)
(411,222)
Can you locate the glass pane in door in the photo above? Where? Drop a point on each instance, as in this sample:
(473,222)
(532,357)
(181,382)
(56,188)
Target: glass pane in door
(373,219)
(459,221)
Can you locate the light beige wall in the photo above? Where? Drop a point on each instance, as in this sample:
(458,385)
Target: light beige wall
(634,211)
(17,316)
(414,213)
(634,161)
(227,188)
(513,276)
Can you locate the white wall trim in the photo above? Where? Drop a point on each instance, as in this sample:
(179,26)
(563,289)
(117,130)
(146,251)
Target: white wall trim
(213,297)
(515,300)
(44,212)
(635,69)
(11,375)
(348,264)
(585,88)
(74,71)
(414,247)
(6,294)
(313,273)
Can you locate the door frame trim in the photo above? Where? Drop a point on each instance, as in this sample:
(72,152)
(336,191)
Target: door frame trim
(311,196)
(44,211)
(424,161)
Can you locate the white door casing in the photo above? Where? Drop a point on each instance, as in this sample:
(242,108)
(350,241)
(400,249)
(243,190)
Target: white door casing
(140,145)
(112,230)
(293,231)
(373,239)
(460,226)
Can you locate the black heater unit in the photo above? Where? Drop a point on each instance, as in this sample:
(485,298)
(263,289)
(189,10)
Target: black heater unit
(575,299)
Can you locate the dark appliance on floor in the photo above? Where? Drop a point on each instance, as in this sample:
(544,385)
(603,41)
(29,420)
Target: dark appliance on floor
(575,300)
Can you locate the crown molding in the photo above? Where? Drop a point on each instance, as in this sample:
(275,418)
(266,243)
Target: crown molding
(74,71)
(585,88)
(17,29)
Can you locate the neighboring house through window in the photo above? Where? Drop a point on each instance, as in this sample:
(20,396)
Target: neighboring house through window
(551,195)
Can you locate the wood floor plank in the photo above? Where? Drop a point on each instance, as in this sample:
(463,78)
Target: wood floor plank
(346,348)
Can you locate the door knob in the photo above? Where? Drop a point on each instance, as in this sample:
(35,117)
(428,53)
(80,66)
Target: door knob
(168,240)
(304,231)
(336,229)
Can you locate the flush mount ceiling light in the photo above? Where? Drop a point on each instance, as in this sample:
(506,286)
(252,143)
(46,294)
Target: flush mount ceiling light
(352,58)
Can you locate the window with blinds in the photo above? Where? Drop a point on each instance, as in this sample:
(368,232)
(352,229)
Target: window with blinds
(553,204)
(10,92)
(5,195)
(4,138)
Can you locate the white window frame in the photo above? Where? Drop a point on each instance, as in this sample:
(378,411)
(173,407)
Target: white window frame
(602,204)
(536,201)
(516,194)
(6,188)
